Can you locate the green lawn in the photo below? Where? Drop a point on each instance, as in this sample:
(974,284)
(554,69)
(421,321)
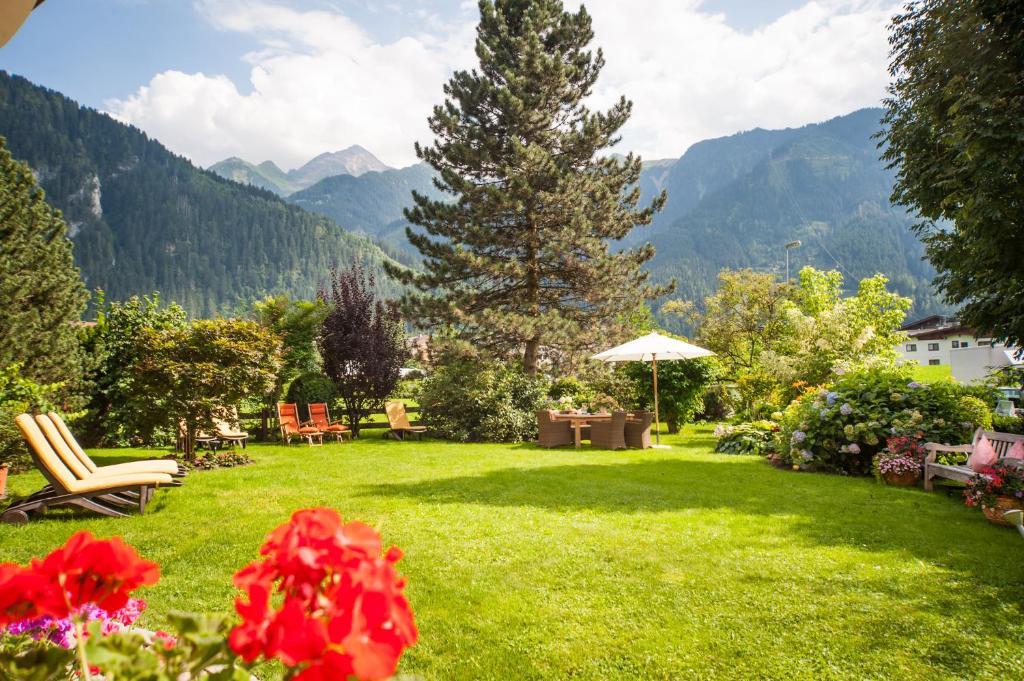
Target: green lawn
(679,563)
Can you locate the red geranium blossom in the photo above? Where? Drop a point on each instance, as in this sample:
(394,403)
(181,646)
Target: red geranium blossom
(343,612)
(103,572)
(22,592)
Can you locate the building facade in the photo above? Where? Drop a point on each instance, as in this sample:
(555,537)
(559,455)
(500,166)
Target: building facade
(943,341)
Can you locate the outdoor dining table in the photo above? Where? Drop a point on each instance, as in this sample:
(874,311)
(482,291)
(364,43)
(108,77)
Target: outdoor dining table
(580,420)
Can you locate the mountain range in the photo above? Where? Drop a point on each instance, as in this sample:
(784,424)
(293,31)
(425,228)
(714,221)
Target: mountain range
(354,161)
(144,219)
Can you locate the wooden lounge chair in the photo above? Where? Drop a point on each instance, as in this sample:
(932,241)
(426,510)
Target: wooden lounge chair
(104,494)
(288,420)
(609,434)
(552,433)
(399,422)
(638,429)
(202,439)
(320,418)
(167,466)
(1001,442)
(228,431)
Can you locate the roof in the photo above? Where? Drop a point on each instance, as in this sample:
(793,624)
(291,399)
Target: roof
(934,321)
(943,332)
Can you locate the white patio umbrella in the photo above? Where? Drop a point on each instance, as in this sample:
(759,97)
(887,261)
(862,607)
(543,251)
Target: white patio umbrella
(651,348)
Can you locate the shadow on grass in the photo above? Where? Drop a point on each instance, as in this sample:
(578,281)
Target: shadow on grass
(819,509)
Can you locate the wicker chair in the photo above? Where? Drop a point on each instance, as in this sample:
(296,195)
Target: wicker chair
(552,433)
(638,429)
(609,434)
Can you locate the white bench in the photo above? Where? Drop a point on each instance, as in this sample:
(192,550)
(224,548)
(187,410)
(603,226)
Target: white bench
(1001,442)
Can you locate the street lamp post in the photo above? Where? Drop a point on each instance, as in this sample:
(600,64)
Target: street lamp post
(790,245)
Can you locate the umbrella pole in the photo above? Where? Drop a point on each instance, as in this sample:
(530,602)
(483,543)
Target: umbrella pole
(657,421)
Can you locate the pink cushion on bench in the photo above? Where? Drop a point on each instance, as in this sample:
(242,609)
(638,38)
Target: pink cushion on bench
(984,455)
(1016,451)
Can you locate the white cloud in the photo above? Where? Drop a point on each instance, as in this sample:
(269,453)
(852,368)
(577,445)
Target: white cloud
(321,82)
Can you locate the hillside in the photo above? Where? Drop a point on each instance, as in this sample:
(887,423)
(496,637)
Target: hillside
(734,202)
(143,219)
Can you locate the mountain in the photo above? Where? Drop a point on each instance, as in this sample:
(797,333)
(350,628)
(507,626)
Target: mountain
(354,161)
(143,219)
(265,176)
(372,203)
(735,201)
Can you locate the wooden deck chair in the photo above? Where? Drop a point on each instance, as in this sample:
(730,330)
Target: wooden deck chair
(399,422)
(96,493)
(145,466)
(288,420)
(320,418)
(228,431)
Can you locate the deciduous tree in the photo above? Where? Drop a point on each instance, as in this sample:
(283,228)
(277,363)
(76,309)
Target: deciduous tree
(361,342)
(954,129)
(197,372)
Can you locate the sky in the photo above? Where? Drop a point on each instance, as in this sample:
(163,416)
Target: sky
(285,80)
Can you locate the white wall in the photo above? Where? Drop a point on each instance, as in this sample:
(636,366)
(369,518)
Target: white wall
(975,363)
(922,355)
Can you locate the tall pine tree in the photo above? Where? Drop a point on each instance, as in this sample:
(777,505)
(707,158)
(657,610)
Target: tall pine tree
(522,258)
(41,295)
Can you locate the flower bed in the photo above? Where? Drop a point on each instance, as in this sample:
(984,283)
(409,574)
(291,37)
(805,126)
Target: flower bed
(214,460)
(756,437)
(842,426)
(996,488)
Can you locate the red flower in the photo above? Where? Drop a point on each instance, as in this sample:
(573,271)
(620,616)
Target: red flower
(344,611)
(87,570)
(23,594)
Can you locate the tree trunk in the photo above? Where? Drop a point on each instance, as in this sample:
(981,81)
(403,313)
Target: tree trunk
(190,440)
(530,357)
(673,426)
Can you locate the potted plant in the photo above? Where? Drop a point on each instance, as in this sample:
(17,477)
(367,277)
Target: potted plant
(997,489)
(899,463)
(603,404)
(898,469)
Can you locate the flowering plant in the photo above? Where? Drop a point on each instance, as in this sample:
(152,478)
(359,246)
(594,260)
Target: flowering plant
(890,463)
(999,480)
(756,437)
(324,600)
(841,427)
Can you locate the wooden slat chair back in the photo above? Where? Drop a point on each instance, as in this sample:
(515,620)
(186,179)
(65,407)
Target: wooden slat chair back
(98,493)
(167,466)
(320,418)
(1001,443)
(399,422)
(288,419)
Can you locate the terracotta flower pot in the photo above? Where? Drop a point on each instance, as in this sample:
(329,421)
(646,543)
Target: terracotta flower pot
(1003,504)
(3,482)
(906,479)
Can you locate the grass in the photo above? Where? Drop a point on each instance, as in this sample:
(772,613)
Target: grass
(930,373)
(543,564)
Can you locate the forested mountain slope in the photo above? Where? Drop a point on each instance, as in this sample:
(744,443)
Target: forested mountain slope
(144,219)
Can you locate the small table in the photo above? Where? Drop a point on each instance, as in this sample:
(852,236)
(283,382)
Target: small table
(580,420)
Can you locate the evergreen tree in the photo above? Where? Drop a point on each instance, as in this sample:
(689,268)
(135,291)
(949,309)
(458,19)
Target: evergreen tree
(521,258)
(41,295)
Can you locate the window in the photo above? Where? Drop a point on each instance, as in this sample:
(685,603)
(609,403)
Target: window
(934,362)
(933,347)
(964,344)
(956,344)
(911,347)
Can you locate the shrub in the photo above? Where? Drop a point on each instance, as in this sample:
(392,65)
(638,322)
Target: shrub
(841,427)
(976,411)
(475,400)
(681,387)
(311,388)
(1007,424)
(756,437)
(18,395)
(720,402)
(572,387)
